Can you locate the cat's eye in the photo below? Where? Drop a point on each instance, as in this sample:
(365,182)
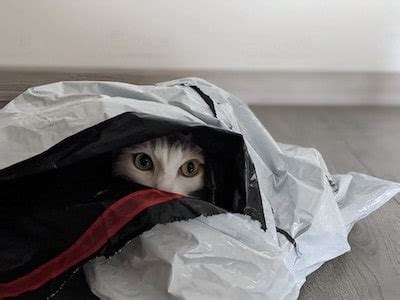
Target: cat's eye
(190,168)
(143,162)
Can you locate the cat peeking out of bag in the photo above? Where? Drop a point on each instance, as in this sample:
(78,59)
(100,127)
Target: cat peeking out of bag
(171,163)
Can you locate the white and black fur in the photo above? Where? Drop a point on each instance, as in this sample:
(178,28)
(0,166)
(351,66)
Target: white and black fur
(169,155)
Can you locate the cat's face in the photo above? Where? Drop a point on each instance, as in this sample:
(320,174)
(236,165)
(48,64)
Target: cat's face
(172,166)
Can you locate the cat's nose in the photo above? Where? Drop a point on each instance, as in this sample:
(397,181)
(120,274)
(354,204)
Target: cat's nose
(165,185)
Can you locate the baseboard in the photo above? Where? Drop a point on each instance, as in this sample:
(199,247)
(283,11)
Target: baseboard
(268,88)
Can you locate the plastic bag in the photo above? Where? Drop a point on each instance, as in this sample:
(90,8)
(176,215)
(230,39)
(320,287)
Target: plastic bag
(277,219)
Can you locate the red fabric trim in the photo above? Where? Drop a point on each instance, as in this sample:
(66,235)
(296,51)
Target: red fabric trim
(107,225)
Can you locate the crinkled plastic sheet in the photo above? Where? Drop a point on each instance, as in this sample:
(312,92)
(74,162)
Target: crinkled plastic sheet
(219,257)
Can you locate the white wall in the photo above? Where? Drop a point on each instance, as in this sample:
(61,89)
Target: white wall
(355,35)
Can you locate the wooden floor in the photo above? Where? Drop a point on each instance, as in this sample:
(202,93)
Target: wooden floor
(362,139)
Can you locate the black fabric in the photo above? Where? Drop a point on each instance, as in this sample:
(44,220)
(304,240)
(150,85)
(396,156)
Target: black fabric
(181,209)
(232,182)
(48,201)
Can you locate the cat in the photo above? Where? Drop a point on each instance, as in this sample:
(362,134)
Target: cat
(171,163)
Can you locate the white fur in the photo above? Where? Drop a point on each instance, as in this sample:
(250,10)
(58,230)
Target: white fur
(167,159)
